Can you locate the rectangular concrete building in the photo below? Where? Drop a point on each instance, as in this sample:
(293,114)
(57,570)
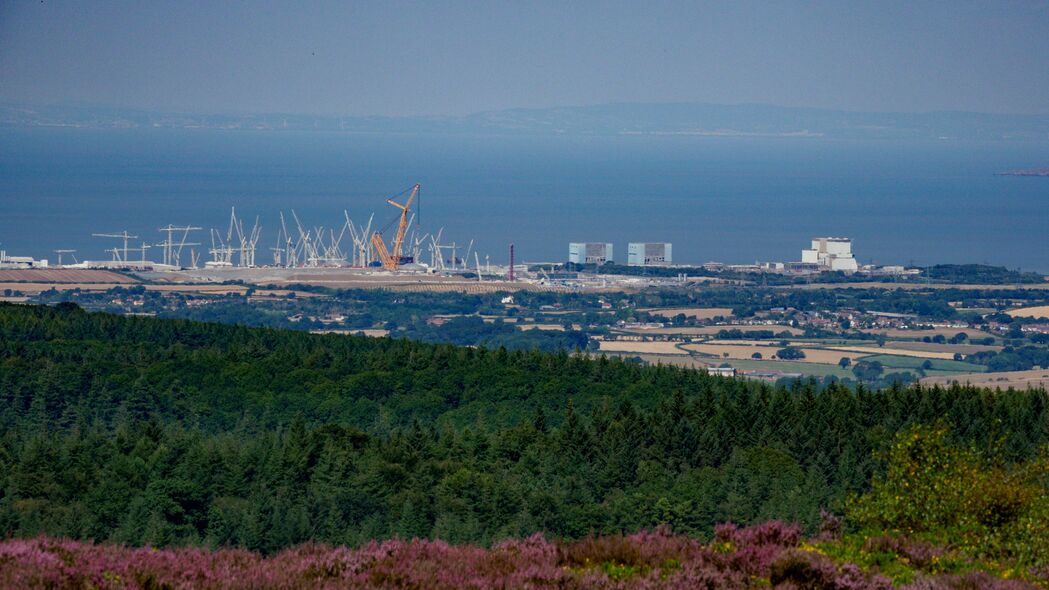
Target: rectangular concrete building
(648,253)
(589,252)
(831,254)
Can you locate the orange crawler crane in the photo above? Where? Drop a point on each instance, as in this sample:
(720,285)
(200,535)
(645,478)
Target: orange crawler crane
(393,261)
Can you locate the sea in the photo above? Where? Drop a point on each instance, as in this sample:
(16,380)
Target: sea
(727,199)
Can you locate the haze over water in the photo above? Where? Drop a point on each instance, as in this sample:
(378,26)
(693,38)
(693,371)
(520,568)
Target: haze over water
(734,200)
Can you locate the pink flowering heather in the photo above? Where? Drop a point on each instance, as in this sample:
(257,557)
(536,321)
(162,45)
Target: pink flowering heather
(739,558)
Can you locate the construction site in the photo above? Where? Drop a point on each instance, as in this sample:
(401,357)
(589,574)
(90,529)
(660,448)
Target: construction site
(390,250)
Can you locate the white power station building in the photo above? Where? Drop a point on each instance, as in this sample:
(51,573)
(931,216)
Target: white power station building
(590,252)
(831,254)
(648,253)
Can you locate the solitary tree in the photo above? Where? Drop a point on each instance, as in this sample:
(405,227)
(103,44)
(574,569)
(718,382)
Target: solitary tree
(790,353)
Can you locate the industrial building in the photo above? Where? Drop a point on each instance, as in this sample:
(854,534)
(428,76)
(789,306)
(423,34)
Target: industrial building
(648,253)
(590,252)
(20,262)
(831,254)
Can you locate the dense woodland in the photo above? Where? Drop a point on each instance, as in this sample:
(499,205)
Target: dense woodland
(378,308)
(174,432)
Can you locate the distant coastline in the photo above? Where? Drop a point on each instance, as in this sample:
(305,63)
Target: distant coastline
(1025,172)
(646,119)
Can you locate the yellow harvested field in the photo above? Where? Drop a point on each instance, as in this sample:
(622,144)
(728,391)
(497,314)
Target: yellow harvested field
(700,313)
(735,351)
(1042,311)
(711,330)
(64,275)
(1034,379)
(40,287)
(549,327)
(869,350)
(640,347)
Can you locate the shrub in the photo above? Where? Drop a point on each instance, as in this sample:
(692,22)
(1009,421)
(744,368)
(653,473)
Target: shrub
(947,493)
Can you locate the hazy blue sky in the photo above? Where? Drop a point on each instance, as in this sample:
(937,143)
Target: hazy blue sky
(395,58)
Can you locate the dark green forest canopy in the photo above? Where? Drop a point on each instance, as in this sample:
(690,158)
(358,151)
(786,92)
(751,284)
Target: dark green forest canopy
(216,376)
(172,432)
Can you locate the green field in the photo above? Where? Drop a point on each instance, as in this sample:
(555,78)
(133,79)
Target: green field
(911,362)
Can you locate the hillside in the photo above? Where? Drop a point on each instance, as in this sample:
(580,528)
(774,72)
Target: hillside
(664,119)
(170,433)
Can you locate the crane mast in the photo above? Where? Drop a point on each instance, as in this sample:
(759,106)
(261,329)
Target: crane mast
(391,261)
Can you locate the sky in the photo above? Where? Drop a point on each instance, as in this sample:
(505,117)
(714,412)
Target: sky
(455,58)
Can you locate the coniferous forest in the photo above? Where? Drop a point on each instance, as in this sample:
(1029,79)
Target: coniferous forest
(175,433)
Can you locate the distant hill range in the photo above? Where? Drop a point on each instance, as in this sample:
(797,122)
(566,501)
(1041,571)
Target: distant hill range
(676,119)
(1026,172)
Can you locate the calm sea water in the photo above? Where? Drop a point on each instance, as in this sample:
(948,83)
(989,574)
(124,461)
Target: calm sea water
(726,199)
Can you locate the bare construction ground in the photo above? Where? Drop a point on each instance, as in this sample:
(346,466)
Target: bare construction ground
(1033,379)
(343,278)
